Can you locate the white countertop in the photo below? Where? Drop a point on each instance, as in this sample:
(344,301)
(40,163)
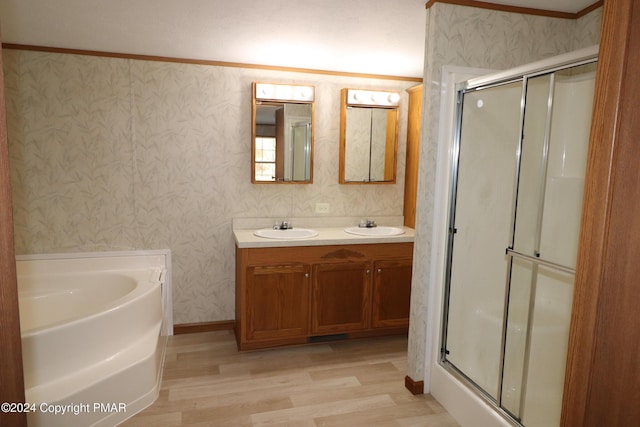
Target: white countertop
(326,236)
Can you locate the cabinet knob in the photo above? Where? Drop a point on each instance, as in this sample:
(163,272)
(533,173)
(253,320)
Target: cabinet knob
(379,270)
(306,275)
(368,271)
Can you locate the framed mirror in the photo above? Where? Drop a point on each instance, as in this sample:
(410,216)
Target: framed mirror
(282,133)
(368,136)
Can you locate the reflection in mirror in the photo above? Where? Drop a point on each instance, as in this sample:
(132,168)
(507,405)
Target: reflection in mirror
(282,133)
(368,136)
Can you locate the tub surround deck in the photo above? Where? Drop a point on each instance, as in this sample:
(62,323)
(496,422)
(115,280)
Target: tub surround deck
(113,262)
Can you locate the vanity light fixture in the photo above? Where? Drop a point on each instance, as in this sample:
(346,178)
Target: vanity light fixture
(280,92)
(375,98)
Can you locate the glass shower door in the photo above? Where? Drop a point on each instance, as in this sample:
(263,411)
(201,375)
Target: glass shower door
(483,209)
(544,251)
(515,213)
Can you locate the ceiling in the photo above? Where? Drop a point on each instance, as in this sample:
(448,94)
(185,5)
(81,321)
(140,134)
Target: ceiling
(383,37)
(362,36)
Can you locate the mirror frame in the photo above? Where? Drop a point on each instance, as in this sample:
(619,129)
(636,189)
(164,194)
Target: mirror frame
(281,94)
(346,100)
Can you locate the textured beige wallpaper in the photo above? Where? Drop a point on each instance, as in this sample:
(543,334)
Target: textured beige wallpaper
(111,154)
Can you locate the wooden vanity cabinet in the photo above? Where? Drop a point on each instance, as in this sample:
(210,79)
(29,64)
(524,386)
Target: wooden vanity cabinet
(295,295)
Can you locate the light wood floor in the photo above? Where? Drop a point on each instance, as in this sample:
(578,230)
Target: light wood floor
(206,382)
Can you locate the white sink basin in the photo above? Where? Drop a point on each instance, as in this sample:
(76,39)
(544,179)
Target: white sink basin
(292,233)
(375,231)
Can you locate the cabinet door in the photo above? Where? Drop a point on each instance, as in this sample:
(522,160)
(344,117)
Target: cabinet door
(277,301)
(391,293)
(341,297)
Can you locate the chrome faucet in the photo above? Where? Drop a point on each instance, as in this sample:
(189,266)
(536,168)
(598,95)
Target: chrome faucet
(284,225)
(369,223)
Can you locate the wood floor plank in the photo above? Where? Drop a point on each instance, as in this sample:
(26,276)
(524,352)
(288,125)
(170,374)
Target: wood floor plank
(384,416)
(431,420)
(216,399)
(304,413)
(236,411)
(207,382)
(243,385)
(316,395)
(169,419)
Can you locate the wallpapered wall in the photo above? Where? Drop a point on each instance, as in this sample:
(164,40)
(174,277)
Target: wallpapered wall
(472,37)
(119,154)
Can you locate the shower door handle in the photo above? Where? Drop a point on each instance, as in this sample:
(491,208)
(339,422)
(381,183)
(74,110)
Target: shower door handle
(539,261)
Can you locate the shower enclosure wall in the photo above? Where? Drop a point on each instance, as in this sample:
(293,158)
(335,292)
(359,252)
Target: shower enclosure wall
(518,166)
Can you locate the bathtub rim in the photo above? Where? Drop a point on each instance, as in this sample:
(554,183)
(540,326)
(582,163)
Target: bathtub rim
(167,287)
(141,288)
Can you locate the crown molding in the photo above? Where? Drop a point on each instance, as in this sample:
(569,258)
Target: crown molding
(518,9)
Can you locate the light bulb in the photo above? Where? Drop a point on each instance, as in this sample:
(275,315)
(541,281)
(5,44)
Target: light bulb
(305,92)
(266,91)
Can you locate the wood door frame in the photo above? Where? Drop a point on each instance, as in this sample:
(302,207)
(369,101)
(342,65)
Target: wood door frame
(602,382)
(11,376)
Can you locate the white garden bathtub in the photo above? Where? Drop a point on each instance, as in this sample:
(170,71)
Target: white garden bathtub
(94,330)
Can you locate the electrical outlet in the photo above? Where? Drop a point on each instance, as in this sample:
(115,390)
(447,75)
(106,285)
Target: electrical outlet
(322,208)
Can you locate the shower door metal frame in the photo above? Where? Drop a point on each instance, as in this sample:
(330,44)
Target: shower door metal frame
(306,125)
(520,74)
